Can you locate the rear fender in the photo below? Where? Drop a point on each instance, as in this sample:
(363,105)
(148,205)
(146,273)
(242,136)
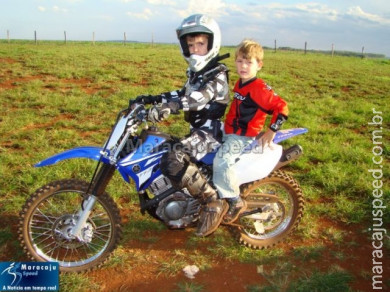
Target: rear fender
(282,135)
(89,152)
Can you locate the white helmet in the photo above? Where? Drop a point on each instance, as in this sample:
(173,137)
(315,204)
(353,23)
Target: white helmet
(194,24)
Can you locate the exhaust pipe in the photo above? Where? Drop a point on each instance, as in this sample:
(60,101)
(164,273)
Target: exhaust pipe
(289,155)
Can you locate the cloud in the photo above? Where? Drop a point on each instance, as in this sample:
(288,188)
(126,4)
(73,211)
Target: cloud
(162,2)
(316,13)
(318,10)
(54,9)
(357,12)
(58,9)
(216,8)
(304,11)
(300,19)
(146,14)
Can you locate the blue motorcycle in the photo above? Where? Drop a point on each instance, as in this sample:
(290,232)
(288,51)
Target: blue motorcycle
(77,224)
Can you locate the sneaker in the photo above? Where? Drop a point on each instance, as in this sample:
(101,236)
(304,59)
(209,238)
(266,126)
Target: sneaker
(211,216)
(236,207)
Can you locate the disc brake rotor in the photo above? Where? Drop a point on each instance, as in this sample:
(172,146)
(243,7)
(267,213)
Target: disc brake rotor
(62,232)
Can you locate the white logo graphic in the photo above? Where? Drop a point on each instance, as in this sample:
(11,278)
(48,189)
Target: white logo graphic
(12,270)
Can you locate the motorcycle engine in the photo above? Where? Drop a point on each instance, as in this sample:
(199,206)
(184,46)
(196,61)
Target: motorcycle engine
(178,210)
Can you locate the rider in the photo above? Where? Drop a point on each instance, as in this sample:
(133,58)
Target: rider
(203,99)
(253,101)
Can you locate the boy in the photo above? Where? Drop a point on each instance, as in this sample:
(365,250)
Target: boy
(203,99)
(253,100)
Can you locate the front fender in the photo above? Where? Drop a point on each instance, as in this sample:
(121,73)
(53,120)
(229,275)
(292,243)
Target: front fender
(89,152)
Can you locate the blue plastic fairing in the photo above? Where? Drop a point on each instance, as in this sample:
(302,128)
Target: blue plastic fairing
(89,152)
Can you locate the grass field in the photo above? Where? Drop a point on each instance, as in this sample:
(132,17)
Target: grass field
(55,97)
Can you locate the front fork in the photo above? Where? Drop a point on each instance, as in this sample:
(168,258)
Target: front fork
(81,230)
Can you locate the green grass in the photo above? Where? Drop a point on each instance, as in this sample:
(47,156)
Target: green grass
(77,282)
(280,279)
(54,97)
(324,282)
(188,287)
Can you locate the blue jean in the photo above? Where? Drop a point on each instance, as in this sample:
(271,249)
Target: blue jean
(224,177)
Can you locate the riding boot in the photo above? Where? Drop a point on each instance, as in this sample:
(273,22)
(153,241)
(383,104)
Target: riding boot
(213,209)
(211,213)
(197,185)
(236,207)
(211,216)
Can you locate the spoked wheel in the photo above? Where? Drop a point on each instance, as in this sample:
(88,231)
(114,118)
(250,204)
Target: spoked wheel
(275,207)
(49,215)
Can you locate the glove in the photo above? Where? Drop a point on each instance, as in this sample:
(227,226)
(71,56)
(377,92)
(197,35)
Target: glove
(148,99)
(278,123)
(145,99)
(158,113)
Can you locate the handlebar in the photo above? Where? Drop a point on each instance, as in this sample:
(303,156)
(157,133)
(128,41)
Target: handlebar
(137,108)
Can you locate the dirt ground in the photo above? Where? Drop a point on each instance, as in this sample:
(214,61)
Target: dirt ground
(225,274)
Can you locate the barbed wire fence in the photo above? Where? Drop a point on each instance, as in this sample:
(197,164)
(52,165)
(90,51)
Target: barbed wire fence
(124,41)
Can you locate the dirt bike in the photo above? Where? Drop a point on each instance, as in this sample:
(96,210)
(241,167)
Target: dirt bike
(77,224)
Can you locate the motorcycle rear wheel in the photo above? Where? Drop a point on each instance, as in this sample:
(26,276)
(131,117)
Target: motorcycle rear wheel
(49,214)
(281,199)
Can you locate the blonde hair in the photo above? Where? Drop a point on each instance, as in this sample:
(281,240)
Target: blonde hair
(249,48)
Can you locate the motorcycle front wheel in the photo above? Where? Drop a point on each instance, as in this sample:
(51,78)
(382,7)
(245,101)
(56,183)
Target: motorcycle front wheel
(275,207)
(50,213)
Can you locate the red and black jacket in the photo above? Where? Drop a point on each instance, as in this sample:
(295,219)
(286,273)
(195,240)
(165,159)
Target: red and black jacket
(252,102)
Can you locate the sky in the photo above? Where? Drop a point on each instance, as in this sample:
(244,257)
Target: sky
(347,25)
